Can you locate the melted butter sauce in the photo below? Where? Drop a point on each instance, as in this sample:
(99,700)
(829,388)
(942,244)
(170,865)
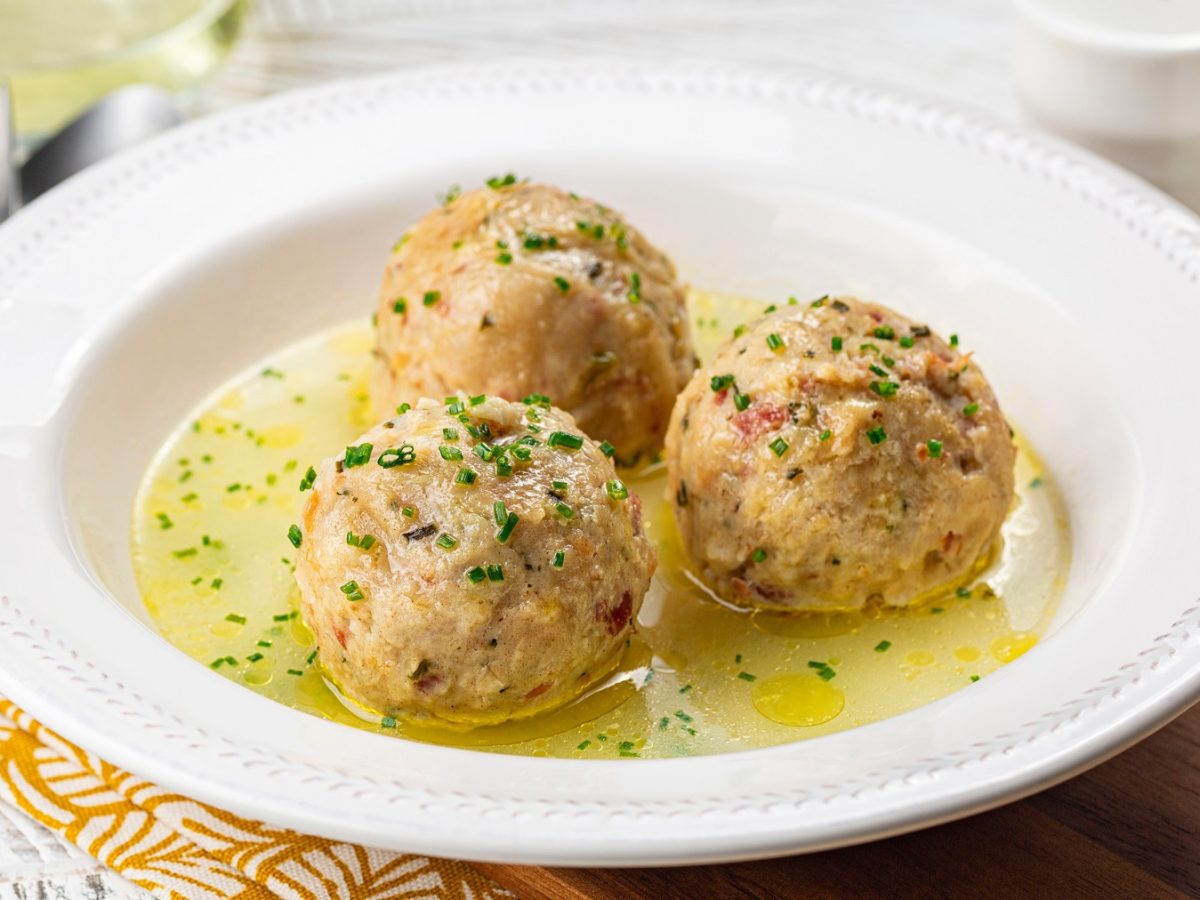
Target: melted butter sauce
(214,566)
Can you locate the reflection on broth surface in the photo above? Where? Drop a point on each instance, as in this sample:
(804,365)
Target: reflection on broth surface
(214,565)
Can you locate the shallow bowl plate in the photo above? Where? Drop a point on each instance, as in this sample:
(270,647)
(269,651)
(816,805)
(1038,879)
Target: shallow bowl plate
(132,291)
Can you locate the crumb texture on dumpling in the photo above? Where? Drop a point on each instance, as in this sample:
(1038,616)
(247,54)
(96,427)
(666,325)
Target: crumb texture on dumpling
(473,561)
(526,289)
(835,454)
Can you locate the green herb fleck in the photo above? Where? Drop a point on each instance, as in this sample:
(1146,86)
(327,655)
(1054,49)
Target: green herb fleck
(358,455)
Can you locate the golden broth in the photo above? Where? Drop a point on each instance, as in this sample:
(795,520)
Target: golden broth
(214,566)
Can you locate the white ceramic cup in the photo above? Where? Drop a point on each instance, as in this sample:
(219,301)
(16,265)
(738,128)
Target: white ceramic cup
(1121,77)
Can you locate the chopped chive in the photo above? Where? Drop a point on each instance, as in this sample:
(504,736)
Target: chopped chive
(184,553)
(506,529)
(236,619)
(825,435)
(682,716)
(567,441)
(504,258)
(884,332)
(495,573)
(974,678)
(607,449)
(970,409)
(476,575)
(312,656)
(503,467)
(954,340)
(906,340)
(387,722)
(408,512)
(934,448)
(565,511)
(262,643)
(450,453)
(663,723)
(559,558)
(1035,483)
(835,343)
(962,593)
(778,446)
(254,657)
(352,590)
(758,555)
(296,672)
(563,284)
(447,541)
(884,388)
(465,476)
(583,745)
(746,676)
(216,583)
(431,297)
(397,456)
(876,435)
(882,646)
(882,373)
(774,342)
(496,182)
(358,455)
(403,408)
(685,689)
(282,617)
(450,434)
(826,674)
(617,490)
(400,306)
(477,399)
(720,382)
(294,535)
(164,521)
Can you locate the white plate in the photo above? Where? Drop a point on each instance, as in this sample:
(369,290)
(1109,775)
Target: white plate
(129,293)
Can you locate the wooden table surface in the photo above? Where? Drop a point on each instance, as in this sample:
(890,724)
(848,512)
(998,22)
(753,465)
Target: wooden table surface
(1128,828)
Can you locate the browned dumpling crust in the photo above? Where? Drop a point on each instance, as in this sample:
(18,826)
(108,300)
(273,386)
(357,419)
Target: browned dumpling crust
(836,453)
(523,288)
(471,562)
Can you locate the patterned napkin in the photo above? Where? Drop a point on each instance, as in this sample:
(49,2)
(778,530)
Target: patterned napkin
(175,847)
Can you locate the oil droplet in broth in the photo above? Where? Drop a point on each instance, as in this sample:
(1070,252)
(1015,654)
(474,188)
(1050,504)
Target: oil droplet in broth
(801,700)
(967,654)
(1009,646)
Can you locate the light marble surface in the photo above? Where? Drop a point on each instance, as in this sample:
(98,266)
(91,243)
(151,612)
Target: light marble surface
(957,50)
